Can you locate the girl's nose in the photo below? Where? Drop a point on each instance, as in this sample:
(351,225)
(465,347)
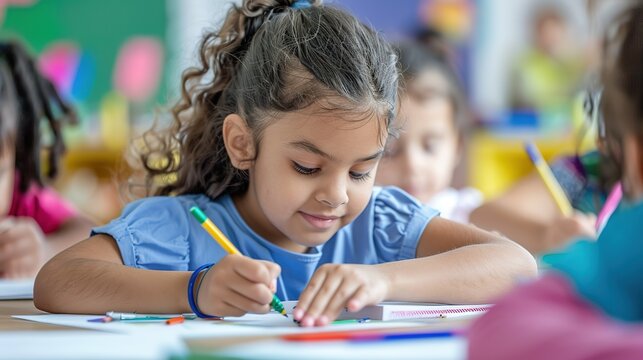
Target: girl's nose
(333,205)
(333,194)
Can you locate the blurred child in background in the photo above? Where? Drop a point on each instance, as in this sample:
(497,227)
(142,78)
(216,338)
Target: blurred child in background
(591,307)
(546,76)
(541,227)
(35,222)
(433,113)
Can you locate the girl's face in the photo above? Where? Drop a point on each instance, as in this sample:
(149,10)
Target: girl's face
(422,160)
(7,167)
(313,174)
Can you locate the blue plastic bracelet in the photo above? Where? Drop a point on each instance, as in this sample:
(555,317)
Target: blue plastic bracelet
(192,296)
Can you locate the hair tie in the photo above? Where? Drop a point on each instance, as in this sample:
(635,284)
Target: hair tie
(300,4)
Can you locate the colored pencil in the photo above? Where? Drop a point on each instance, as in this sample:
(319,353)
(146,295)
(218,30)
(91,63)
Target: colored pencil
(350,321)
(610,205)
(549,179)
(366,335)
(175,320)
(222,240)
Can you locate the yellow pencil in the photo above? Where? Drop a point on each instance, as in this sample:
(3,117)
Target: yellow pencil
(549,179)
(222,240)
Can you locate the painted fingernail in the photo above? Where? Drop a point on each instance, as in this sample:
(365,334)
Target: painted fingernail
(307,321)
(298,314)
(322,321)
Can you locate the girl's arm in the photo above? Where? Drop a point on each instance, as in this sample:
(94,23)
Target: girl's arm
(90,278)
(527,214)
(458,264)
(455,264)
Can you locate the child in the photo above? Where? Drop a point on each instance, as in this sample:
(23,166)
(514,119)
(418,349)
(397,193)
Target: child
(278,149)
(591,307)
(35,222)
(423,158)
(542,227)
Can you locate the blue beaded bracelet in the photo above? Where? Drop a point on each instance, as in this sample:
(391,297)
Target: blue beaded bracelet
(192,296)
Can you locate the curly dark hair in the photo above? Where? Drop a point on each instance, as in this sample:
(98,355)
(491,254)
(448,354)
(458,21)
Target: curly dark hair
(26,97)
(267,58)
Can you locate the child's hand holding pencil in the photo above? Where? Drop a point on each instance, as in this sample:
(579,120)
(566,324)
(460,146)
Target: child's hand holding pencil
(237,285)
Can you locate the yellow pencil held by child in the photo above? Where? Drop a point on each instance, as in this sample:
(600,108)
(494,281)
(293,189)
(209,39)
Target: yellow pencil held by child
(225,243)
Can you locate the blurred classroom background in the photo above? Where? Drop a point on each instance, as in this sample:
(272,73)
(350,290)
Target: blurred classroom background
(523,64)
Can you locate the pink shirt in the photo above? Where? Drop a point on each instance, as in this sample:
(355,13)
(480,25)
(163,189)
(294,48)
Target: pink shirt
(46,207)
(548,320)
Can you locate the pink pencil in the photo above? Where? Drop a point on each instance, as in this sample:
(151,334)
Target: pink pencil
(610,205)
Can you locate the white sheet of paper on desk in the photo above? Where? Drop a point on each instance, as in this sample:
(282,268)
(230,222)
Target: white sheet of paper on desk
(248,325)
(71,345)
(450,348)
(16,289)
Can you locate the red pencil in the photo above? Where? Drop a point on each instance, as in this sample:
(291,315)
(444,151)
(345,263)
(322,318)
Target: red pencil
(331,335)
(175,320)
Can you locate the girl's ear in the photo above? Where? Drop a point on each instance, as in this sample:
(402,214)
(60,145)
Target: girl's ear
(238,141)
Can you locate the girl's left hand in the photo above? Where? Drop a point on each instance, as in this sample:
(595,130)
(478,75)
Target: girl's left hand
(335,287)
(22,247)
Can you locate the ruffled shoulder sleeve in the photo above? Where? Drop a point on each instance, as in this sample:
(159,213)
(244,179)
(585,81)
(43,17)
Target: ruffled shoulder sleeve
(152,234)
(398,221)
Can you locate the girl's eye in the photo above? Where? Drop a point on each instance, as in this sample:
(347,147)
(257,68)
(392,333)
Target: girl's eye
(304,170)
(430,146)
(310,171)
(360,176)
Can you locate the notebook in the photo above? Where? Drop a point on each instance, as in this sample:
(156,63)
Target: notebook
(16,289)
(407,311)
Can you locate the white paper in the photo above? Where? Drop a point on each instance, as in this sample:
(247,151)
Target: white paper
(427,349)
(16,289)
(248,325)
(72,345)
(150,336)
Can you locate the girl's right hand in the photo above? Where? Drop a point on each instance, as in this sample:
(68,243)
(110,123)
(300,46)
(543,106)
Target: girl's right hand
(237,285)
(564,229)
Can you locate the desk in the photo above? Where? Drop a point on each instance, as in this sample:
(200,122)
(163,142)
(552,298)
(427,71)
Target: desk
(208,345)
(22,307)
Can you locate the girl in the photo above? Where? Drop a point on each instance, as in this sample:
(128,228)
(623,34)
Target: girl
(279,132)
(541,227)
(432,115)
(35,222)
(592,306)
